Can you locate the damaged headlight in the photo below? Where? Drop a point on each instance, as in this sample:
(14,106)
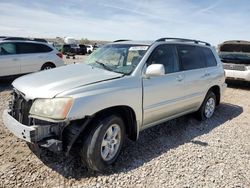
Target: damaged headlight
(56,108)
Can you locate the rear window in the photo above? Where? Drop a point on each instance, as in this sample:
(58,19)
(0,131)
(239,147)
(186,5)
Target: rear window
(209,56)
(25,48)
(191,57)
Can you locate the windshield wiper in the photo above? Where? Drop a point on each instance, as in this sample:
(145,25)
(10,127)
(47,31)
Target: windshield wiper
(104,66)
(108,68)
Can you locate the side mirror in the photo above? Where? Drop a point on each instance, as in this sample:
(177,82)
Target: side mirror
(155,70)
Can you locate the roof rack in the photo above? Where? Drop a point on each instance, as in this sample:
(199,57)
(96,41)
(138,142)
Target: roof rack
(121,40)
(183,40)
(25,39)
(15,38)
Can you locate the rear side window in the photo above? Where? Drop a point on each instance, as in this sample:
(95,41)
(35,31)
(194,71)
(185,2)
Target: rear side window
(7,49)
(209,56)
(26,48)
(191,57)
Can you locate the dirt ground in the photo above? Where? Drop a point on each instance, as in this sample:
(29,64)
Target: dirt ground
(180,153)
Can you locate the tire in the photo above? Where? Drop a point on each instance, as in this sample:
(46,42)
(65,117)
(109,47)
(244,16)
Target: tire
(98,144)
(207,108)
(48,66)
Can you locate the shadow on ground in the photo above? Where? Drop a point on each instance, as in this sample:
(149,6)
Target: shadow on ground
(238,84)
(152,143)
(5,83)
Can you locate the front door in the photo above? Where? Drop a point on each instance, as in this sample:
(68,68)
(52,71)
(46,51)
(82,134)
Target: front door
(162,95)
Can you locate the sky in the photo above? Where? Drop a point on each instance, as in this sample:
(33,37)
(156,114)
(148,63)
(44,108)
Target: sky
(213,21)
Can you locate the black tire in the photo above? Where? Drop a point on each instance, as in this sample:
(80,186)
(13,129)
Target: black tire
(47,66)
(91,151)
(201,114)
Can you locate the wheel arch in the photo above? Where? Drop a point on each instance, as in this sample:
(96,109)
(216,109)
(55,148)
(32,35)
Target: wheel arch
(128,116)
(48,63)
(76,129)
(216,90)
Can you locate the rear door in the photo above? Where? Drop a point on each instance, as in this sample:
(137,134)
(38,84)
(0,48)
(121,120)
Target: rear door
(193,64)
(162,96)
(32,55)
(9,60)
(212,71)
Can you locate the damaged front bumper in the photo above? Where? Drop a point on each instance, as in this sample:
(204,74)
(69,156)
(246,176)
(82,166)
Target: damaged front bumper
(36,134)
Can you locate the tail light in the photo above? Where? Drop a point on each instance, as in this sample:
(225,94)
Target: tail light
(60,55)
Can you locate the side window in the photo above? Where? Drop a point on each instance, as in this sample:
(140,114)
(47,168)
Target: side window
(209,56)
(7,49)
(191,57)
(26,48)
(165,55)
(43,48)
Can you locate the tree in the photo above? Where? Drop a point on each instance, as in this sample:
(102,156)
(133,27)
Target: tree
(84,41)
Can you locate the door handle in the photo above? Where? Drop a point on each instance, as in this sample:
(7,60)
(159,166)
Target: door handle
(179,78)
(15,59)
(206,75)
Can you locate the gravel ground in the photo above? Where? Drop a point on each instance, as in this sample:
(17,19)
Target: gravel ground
(180,153)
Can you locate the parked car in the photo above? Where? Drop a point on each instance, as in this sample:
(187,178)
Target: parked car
(235,56)
(21,57)
(82,49)
(124,88)
(68,51)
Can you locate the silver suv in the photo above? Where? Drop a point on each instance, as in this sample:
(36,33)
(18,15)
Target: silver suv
(123,88)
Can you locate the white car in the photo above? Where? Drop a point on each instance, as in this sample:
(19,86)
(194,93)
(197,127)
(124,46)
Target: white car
(21,57)
(235,56)
(89,49)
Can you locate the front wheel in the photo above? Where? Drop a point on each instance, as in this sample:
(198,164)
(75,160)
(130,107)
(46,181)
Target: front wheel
(103,144)
(207,108)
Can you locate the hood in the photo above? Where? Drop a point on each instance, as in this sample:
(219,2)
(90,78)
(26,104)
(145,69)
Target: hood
(235,46)
(49,83)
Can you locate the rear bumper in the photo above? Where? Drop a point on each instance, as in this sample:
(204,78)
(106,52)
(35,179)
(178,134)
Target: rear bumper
(237,75)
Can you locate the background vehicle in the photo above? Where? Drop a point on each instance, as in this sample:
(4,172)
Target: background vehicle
(82,49)
(125,87)
(21,57)
(68,50)
(89,48)
(235,56)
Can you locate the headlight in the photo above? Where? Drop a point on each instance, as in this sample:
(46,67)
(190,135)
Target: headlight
(248,67)
(56,108)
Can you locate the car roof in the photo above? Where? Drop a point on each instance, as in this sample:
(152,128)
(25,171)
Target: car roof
(23,41)
(164,41)
(133,42)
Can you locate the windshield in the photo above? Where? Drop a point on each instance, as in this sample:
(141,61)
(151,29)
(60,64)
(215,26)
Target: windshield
(241,58)
(120,58)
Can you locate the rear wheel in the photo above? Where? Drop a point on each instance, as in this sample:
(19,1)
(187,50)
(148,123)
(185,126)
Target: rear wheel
(207,108)
(48,66)
(103,144)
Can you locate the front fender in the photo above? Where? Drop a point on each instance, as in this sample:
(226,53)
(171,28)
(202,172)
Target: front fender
(96,97)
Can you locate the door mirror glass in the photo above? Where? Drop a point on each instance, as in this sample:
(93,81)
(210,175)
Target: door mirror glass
(155,70)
